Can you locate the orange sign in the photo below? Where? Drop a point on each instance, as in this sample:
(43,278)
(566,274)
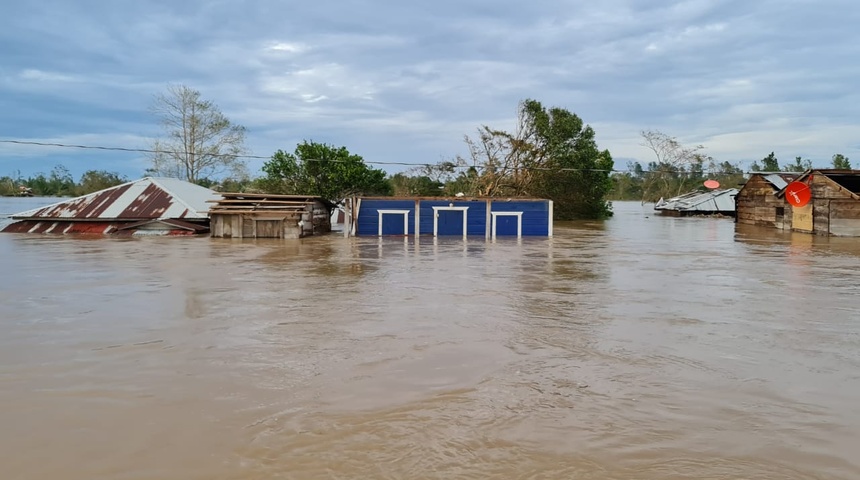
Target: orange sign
(798,194)
(712,184)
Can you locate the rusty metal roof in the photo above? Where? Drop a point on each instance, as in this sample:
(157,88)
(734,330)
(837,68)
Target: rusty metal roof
(144,199)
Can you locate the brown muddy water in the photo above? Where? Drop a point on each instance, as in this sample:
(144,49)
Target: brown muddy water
(639,348)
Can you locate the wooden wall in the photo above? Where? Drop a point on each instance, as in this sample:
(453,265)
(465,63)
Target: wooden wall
(835,211)
(832,211)
(263,225)
(757,205)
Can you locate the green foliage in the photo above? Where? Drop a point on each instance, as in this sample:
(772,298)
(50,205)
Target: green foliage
(677,168)
(552,154)
(8,186)
(323,170)
(648,185)
(59,183)
(799,165)
(768,164)
(841,162)
(95,180)
(420,186)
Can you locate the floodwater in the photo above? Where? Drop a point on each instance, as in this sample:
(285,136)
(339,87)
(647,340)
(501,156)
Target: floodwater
(642,348)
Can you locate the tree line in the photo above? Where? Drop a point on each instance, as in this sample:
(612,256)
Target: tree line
(59,183)
(679,169)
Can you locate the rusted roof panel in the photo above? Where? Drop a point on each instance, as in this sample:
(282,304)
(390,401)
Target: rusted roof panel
(71,227)
(147,198)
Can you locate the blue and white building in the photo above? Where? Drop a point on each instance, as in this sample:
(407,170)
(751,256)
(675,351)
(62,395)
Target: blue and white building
(456,216)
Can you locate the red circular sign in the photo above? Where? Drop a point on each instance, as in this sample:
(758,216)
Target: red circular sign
(798,194)
(712,184)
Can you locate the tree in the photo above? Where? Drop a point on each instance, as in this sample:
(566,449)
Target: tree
(768,164)
(840,162)
(799,165)
(95,180)
(200,141)
(550,154)
(675,165)
(322,170)
(418,185)
(574,173)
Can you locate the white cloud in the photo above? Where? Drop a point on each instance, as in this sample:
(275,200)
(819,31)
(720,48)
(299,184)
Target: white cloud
(286,47)
(32,74)
(402,80)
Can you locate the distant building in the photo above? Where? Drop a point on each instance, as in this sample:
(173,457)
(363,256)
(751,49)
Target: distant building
(833,209)
(149,206)
(460,216)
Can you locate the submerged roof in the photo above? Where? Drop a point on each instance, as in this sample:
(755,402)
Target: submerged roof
(149,198)
(713,201)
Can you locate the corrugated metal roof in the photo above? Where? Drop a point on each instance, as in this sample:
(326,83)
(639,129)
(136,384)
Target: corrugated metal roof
(147,198)
(713,201)
(776,180)
(65,227)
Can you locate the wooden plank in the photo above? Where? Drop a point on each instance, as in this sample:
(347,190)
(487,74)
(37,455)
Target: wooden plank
(845,227)
(255,202)
(228,195)
(802,218)
(243,212)
(256,207)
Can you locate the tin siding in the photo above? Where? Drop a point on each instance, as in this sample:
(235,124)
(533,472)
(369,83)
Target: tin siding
(535,215)
(368,215)
(476,220)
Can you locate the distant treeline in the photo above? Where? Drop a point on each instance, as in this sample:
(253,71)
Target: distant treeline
(59,183)
(668,179)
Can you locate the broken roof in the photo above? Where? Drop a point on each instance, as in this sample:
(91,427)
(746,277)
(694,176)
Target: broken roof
(149,198)
(780,180)
(711,201)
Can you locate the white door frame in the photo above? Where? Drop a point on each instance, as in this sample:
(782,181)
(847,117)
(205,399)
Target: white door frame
(405,214)
(436,211)
(519,216)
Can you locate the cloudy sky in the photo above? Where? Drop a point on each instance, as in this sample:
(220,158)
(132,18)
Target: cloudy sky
(399,81)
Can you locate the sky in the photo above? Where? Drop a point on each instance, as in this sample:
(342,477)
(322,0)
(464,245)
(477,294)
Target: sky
(404,82)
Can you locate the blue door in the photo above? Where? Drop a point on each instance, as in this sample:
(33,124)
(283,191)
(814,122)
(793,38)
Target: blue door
(392,224)
(450,222)
(506,225)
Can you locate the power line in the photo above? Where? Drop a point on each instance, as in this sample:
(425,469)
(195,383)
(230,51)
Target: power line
(260,157)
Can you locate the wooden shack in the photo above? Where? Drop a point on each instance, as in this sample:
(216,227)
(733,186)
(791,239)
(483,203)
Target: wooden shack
(757,204)
(261,215)
(834,208)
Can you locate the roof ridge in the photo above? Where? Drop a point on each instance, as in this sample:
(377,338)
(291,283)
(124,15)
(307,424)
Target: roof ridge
(173,194)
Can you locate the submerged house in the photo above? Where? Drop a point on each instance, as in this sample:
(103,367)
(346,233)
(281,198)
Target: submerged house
(714,202)
(262,215)
(820,201)
(440,216)
(757,202)
(149,206)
